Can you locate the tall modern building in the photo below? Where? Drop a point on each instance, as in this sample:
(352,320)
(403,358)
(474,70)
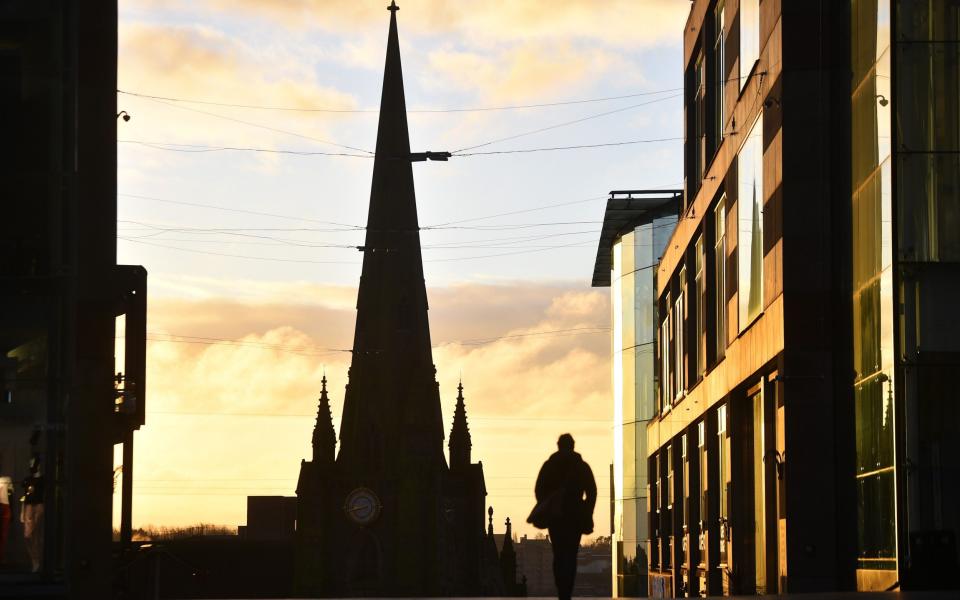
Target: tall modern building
(636,227)
(805,426)
(65,401)
(386,515)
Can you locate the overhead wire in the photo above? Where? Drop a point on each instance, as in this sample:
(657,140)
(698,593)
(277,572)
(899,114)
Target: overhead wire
(228,209)
(577,147)
(498,242)
(350,227)
(521,211)
(247,257)
(497,227)
(195,148)
(415,110)
(212,341)
(261,126)
(200,149)
(564,124)
(314,414)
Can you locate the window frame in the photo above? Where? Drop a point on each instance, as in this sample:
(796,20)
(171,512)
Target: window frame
(719,72)
(700,311)
(749,279)
(723,453)
(678,336)
(749,44)
(720,277)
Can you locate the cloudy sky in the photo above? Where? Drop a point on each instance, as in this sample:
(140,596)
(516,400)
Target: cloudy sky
(235,193)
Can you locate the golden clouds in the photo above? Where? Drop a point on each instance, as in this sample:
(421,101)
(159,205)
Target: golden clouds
(522,391)
(626,23)
(200,62)
(529,70)
(521,48)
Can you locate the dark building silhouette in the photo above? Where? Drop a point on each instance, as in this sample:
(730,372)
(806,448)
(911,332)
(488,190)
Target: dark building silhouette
(387,516)
(213,566)
(270,518)
(513,582)
(63,405)
(535,568)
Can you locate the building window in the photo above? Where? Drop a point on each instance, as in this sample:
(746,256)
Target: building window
(696,119)
(749,37)
(670,498)
(666,520)
(666,381)
(702,455)
(720,270)
(700,311)
(719,74)
(686,480)
(723,455)
(700,129)
(654,512)
(750,225)
(678,321)
(759,495)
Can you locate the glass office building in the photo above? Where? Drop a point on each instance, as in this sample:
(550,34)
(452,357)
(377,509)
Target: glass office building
(803,436)
(905,176)
(637,226)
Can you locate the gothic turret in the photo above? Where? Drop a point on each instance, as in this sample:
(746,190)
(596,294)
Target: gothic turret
(460,443)
(324,436)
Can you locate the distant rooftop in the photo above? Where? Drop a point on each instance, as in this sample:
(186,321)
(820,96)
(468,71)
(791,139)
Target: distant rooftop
(625,210)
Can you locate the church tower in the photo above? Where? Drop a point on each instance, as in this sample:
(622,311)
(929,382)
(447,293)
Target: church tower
(387,516)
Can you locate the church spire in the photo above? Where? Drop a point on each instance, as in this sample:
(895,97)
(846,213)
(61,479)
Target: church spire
(391,411)
(324,436)
(460,442)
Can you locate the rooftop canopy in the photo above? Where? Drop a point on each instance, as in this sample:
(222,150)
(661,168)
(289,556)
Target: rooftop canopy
(626,210)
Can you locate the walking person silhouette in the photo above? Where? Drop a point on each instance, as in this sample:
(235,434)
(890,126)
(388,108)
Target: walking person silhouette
(566,495)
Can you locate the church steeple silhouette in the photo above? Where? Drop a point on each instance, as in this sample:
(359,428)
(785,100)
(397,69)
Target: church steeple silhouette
(460,442)
(324,436)
(392,396)
(388,516)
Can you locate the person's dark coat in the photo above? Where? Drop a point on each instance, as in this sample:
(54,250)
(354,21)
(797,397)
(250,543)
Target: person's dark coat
(568,472)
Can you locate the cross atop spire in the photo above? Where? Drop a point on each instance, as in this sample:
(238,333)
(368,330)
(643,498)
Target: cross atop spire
(393,8)
(508,537)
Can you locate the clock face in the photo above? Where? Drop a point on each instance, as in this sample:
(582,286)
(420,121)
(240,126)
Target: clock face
(362,506)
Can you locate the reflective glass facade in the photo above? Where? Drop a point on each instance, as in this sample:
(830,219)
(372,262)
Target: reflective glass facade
(750,224)
(927,99)
(905,176)
(872,284)
(633,296)
(749,37)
